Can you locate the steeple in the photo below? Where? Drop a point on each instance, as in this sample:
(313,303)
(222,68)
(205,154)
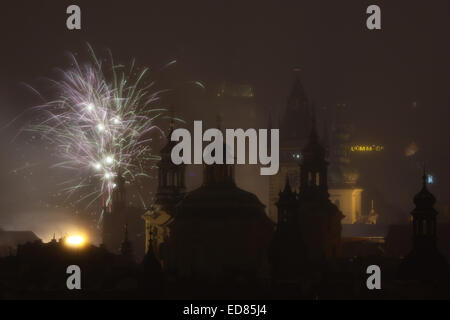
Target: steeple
(287,206)
(152,267)
(126,248)
(313,168)
(288,249)
(295,123)
(424,218)
(424,199)
(424,262)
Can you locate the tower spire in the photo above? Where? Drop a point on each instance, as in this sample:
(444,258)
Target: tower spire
(126,249)
(313,135)
(424,176)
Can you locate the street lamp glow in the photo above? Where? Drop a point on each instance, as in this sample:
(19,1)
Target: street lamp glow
(75,241)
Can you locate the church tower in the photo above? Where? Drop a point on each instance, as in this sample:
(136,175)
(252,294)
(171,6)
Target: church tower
(171,177)
(126,248)
(424,262)
(171,189)
(294,126)
(320,220)
(313,172)
(288,253)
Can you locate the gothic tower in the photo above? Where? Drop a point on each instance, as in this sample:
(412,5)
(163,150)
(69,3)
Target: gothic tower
(294,126)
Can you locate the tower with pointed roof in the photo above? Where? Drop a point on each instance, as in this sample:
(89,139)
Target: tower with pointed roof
(424,262)
(295,126)
(320,219)
(126,248)
(288,252)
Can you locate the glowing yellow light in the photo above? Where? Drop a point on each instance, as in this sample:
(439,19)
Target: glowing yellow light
(75,241)
(366,148)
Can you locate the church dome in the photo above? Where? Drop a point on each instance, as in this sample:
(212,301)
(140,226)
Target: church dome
(218,199)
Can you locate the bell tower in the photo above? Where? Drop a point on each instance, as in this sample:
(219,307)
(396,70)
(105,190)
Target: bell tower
(424,262)
(320,220)
(313,169)
(424,219)
(171,177)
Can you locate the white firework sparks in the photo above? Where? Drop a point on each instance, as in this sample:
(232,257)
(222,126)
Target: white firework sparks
(101,124)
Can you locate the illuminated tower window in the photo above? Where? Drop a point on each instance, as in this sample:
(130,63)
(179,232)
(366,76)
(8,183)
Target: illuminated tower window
(317,179)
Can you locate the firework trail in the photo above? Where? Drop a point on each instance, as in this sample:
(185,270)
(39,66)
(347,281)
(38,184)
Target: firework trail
(101,124)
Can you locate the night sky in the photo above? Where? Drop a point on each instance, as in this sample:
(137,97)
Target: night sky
(395,80)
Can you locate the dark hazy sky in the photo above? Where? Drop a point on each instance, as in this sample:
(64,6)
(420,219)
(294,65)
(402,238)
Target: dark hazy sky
(379,74)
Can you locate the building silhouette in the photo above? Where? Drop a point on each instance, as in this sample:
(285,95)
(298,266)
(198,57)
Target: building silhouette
(295,128)
(320,219)
(288,251)
(424,262)
(215,231)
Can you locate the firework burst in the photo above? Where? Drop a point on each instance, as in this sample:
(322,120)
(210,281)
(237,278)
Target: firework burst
(101,124)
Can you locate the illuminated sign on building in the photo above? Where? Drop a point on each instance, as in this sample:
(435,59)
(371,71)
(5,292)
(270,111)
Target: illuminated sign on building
(367,148)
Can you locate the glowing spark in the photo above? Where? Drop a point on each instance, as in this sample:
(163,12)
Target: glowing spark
(90,107)
(109,160)
(116,121)
(97,166)
(100,127)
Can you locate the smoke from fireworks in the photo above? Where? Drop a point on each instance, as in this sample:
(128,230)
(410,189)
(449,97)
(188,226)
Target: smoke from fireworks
(101,124)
